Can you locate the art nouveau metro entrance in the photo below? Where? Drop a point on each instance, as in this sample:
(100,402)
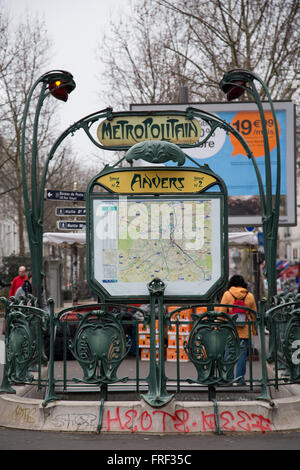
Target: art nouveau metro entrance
(157,246)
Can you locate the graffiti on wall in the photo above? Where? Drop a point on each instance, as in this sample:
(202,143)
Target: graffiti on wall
(152,420)
(183,421)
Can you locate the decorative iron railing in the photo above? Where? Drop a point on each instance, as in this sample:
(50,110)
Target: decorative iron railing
(101,337)
(283,323)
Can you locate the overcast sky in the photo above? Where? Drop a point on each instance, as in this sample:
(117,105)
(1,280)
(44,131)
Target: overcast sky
(75,28)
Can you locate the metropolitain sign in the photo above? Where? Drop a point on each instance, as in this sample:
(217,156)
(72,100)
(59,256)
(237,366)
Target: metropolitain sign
(130,130)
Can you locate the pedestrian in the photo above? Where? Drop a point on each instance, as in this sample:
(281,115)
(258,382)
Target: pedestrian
(18,281)
(237,294)
(26,289)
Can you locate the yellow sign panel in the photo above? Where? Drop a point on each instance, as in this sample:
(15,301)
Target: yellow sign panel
(156,181)
(130,130)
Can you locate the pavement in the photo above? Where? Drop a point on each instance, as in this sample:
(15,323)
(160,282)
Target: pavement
(234,409)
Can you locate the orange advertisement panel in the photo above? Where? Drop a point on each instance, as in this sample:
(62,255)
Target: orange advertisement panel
(248,123)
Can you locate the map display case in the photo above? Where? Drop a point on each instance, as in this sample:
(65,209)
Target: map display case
(147,223)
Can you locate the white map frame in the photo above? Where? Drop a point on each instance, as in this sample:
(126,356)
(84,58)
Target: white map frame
(112,215)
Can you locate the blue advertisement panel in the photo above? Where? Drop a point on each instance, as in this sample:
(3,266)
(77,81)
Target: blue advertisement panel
(225,155)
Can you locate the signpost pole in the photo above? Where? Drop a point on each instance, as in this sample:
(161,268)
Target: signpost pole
(59,84)
(234,84)
(157,393)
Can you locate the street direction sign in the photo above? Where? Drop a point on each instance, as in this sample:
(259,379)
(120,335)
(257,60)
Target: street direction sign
(57,195)
(66,225)
(78,211)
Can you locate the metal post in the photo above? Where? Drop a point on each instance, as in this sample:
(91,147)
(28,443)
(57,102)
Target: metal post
(50,395)
(63,81)
(157,394)
(265,395)
(234,83)
(5,385)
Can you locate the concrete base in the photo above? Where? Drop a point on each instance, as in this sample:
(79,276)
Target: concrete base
(19,412)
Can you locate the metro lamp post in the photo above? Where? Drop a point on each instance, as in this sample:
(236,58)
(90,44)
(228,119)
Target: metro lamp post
(234,83)
(59,84)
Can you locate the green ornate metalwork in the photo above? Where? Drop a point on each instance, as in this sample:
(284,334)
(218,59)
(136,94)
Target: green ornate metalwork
(35,223)
(35,211)
(213,347)
(157,392)
(100,346)
(156,152)
(291,344)
(234,83)
(34,205)
(25,325)
(283,323)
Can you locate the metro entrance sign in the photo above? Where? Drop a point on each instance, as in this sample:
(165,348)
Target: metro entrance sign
(129,130)
(154,131)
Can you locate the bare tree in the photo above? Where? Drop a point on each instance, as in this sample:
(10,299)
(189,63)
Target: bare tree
(138,67)
(23,59)
(163,44)
(260,35)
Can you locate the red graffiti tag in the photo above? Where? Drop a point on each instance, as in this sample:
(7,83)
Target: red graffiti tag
(230,418)
(182,421)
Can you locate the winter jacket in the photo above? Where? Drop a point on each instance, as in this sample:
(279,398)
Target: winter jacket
(240,293)
(16,283)
(20,293)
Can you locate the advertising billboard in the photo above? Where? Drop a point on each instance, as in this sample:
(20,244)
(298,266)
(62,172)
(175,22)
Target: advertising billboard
(226,156)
